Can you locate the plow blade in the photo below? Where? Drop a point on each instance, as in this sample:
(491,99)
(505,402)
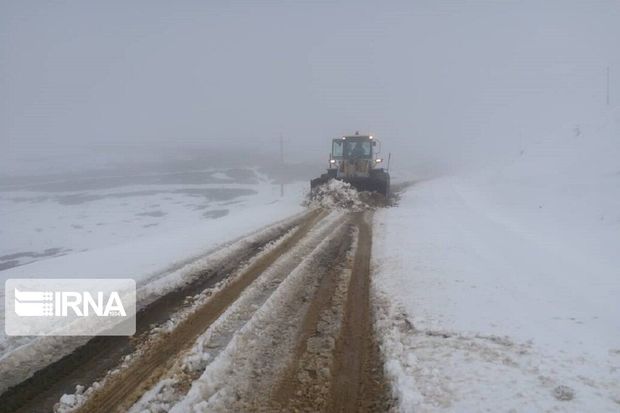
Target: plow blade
(379,183)
(380,186)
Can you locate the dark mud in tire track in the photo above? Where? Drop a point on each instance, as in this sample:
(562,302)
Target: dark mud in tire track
(345,374)
(358,383)
(292,393)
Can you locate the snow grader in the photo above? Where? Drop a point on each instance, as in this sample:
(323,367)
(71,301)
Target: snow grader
(355,159)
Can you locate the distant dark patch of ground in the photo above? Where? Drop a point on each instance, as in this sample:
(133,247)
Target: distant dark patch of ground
(242,176)
(8,264)
(217,194)
(33,199)
(154,214)
(74,183)
(21,258)
(231,202)
(31,254)
(216,213)
(212,194)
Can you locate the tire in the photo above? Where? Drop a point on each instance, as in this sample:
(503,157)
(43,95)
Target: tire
(382,182)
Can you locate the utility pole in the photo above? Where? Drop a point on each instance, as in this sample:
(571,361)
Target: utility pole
(608,76)
(282,165)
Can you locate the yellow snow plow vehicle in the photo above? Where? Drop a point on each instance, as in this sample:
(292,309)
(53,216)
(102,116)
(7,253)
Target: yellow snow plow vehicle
(355,159)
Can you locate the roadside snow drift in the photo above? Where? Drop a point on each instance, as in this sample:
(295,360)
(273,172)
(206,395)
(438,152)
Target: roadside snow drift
(499,291)
(158,258)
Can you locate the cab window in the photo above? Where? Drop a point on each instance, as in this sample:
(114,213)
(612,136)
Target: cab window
(337,148)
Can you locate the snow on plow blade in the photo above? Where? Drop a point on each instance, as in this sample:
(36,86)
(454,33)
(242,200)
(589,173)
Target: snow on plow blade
(378,184)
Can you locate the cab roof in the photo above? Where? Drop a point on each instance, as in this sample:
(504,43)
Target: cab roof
(356,137)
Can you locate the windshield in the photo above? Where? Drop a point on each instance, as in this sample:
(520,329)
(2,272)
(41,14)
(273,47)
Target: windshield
(359,149)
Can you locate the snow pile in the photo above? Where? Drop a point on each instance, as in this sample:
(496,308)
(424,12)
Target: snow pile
(503,284)
(69,403)
(337,194)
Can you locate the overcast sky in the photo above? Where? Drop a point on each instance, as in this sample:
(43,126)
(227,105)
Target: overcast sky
(438,81)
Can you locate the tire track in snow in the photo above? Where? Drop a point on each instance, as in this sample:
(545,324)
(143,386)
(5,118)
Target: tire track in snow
(243,377)
(358,383)
(338,367)
(310,347)
(209,345)
(129,384)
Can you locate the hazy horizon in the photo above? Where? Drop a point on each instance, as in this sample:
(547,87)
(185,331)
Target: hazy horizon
(441,83)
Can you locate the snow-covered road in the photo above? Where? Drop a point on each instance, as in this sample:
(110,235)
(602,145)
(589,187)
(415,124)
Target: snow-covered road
(279,320)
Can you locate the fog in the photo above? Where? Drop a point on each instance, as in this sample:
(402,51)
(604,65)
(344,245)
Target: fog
(445,85)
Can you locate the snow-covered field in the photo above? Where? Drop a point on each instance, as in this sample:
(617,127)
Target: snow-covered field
(130,227)
(68,216)
(499,290)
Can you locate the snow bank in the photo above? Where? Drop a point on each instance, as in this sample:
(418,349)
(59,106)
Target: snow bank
(503,285)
